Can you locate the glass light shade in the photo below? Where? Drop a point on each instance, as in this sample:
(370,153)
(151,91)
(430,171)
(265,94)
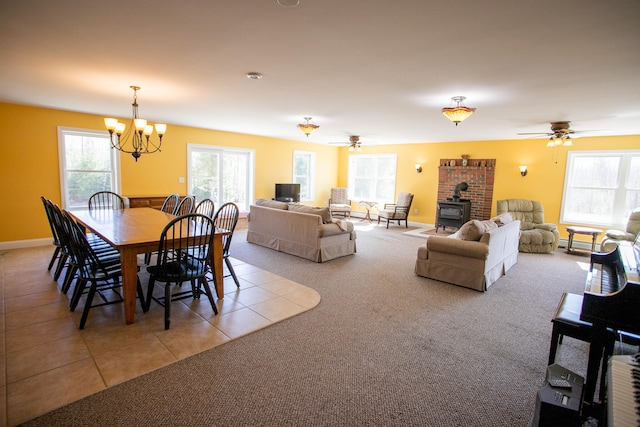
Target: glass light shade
(161,128)
(307,128)
(120,127)
(110,123)
(458,114)
(148,130)
(140,124)
(352,148)
(567,142)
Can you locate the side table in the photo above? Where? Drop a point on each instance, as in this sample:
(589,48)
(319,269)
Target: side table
(368,206)
(587,231)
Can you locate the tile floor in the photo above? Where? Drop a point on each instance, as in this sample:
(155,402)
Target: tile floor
(48,362)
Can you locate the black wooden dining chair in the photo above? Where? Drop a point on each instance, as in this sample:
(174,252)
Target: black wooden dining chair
(102,272)
(227,218)
(186,206)
(106,200)
(170,203)
(184,253)
(58,252)
(206,207)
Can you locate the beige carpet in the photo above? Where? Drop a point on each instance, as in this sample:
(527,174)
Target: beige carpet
(383,348)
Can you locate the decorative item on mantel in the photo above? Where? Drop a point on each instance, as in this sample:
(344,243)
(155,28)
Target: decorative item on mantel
(465,159)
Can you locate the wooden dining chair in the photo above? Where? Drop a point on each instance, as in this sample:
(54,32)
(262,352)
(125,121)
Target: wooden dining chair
(106,200)
(101,272)
(227,218)
(170,203)
(184,253)
(206,207)
(186,206)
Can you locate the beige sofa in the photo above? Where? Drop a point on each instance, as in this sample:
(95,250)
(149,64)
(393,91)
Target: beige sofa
(300,230)
(474,257)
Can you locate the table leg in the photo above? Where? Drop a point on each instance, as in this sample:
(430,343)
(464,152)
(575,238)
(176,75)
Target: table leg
(570,242)
(129,267)
(218,265)
(593,243)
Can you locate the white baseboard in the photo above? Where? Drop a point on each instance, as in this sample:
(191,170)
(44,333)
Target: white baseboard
(21,244)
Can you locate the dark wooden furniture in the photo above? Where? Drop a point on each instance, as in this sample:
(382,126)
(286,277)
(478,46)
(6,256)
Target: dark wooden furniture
(137,231)
(610,302)
(154,202)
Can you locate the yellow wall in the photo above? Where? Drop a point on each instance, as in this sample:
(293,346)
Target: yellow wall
(29,166)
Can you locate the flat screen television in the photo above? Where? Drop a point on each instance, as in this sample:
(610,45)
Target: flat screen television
(288,192)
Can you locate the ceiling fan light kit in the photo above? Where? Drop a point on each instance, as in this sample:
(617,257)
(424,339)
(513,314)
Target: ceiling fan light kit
(460,112)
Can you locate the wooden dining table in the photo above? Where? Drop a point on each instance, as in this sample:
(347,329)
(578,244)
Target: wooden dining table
(136,231)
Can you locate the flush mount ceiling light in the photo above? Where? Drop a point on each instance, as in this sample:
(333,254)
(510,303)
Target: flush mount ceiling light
(307,128)
(459,113)
(137,139)
(254,76)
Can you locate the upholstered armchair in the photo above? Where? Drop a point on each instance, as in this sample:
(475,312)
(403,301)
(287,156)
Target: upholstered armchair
(339,202)
(398,211)
(613,237)
(536,236)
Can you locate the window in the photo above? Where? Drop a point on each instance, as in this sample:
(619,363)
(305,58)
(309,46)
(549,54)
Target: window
(221,174)
(87,164)
(372,177)
(304,173)
(601,187)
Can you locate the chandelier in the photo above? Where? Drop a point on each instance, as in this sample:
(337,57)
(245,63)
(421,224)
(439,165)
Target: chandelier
(136,140)
(459,113)
(307,128)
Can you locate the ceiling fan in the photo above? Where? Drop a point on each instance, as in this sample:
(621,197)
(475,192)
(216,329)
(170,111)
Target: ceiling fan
(354,143)
(560,134)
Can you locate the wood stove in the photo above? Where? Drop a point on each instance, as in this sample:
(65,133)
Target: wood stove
(453,213)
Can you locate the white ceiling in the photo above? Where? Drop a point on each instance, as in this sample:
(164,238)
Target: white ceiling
(381,69)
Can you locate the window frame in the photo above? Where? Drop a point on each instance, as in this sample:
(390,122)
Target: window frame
(310,174)
(222,150)
(618,216)
(351,177)
(116,181)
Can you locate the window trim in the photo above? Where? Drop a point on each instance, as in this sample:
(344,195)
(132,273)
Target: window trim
(311,174)
(618,219)
(115,159)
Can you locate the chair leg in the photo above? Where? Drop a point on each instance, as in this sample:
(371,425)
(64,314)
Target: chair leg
(60,266)
(207,288)
(143,304)
(77,293)
(87,304)
(56,252)
(68,278)
(167,305)
(232,271)
(152,282)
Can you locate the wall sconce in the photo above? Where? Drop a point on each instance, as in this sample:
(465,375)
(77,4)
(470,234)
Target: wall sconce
(523,170)
(418,168)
